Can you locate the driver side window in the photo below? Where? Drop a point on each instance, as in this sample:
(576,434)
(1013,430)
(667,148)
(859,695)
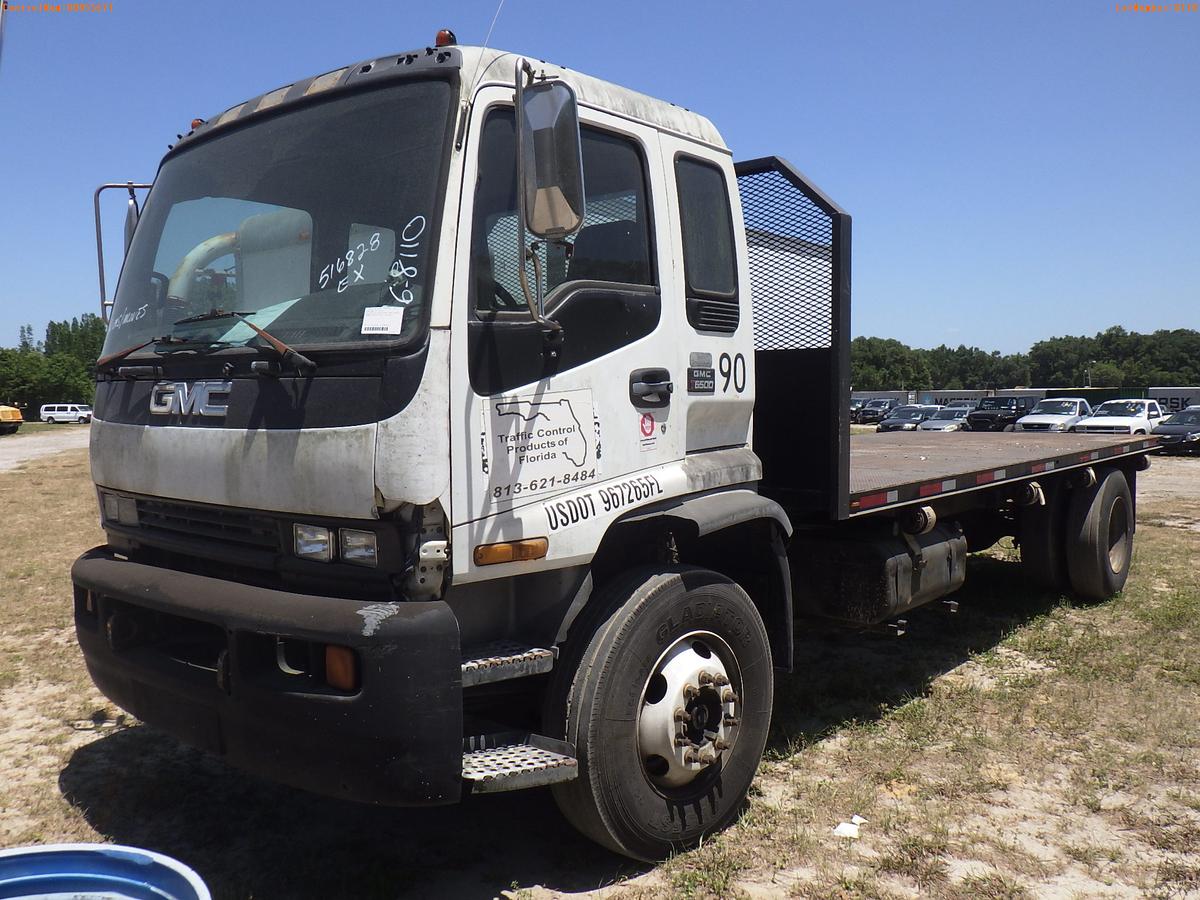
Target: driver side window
(612,246)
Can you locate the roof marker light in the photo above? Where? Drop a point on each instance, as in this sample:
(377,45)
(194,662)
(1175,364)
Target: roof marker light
(445,38)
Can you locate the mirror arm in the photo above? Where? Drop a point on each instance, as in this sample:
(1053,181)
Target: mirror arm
(524,252)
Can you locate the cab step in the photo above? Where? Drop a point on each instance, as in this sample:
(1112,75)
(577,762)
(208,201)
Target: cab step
(502,660)
(510,762)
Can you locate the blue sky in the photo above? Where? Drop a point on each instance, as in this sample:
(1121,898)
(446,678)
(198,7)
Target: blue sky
(1015,170)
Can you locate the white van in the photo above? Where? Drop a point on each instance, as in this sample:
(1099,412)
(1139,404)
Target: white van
(65,412)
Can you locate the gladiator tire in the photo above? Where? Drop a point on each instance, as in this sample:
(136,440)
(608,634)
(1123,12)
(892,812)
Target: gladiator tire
(1099,539)
(596,701)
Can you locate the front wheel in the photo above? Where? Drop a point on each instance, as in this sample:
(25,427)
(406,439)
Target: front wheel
(50,421)
(1010,427)
(82,420)
(668,704)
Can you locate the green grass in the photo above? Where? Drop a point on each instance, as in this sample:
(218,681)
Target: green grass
(42,428)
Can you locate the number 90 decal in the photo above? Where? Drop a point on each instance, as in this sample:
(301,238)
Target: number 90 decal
(733,370)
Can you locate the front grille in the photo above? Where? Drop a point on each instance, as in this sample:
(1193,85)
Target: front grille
(1104,429)
(231,527)
(1039,427)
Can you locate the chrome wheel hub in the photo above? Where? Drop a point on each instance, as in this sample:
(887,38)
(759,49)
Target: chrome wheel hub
(690,712)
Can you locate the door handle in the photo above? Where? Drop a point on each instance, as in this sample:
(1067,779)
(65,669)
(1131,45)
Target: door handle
(650,387)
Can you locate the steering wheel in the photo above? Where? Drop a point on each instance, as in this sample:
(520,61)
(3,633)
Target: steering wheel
(506,299)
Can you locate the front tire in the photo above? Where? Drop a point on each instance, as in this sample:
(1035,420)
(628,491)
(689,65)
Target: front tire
(668,693)
(1099,542)
(50,421)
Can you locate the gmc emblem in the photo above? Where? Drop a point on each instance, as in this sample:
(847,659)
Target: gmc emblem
(178,398)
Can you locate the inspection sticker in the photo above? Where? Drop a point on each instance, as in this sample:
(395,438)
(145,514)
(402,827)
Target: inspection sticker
(383,320)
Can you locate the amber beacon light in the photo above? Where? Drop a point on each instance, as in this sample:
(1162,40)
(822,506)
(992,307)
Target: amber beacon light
(445,38)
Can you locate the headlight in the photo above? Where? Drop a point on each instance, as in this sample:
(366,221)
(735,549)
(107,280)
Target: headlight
(358,547)
(950,428)
(312,542)
(908,427)
(1192,437)
(118,509)
(1061,426)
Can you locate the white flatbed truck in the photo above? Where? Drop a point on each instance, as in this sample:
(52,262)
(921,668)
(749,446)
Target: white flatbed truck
(454,433)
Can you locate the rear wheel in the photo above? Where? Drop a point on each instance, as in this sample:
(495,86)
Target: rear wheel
(1099,539)
(667,700)
(50,420)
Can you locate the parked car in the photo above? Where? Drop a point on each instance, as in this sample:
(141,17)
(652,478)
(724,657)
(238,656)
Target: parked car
(10,419)
(907,418)
(855,406)
(948,418)
(1057,414)
(1121,417)
(1180,433)
(1000,413)
(52,413)
(875,411)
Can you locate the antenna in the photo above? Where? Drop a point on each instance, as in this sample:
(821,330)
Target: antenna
(491,28)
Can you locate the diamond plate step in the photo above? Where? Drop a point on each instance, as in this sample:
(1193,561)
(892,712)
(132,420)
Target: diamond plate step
(510,762)
(502,660)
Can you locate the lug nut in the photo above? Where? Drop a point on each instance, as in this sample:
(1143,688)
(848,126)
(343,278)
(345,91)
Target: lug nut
(683,741)
(689,756)
(682,715)
(720,680)
(690,691)
(732,721)
(707,757)
(728,696)
(720,744)
(706,678)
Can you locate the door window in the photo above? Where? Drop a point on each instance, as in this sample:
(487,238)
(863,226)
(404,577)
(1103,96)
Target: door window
(612,246)
(599,285)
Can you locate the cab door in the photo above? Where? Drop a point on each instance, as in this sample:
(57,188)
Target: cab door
(711,294)
(539,414)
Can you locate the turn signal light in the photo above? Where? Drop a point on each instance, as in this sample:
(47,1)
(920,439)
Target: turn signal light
(511,551)
(341,668)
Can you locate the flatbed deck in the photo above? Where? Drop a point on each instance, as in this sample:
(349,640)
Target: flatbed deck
(903,468)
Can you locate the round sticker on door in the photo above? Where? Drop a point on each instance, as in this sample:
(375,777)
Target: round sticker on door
(648,438)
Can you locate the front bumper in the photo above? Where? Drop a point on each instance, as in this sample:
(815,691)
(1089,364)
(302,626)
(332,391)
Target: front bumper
(205,669)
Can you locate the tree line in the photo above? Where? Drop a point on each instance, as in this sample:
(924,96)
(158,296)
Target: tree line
(59,369)
(1112,358)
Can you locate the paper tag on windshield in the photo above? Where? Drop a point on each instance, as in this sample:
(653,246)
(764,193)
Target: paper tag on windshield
(383,319)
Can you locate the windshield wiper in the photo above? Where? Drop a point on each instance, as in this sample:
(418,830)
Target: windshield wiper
(287,355)
(106,361)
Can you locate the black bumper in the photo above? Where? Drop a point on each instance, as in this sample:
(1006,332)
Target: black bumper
(215,683)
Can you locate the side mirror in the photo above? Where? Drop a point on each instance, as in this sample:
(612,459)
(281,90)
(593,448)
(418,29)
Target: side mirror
(131,220)
(550,158)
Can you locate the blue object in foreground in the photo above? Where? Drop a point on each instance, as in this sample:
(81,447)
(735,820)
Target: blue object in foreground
(96,872)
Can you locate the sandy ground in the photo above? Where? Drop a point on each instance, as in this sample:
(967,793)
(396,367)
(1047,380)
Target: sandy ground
(75,768)
(17,450)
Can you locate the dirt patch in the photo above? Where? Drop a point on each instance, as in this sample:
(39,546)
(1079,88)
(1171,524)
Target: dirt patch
(1023,746)
(21,448)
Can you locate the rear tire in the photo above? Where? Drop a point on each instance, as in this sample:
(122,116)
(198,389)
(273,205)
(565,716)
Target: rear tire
(614,697)
(1043,541)
(1099,538)
(1010,427)
(50,421)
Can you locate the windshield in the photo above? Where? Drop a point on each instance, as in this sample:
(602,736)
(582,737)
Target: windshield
(878,404)
(1120,408)
(1055,408)
(907,412)
(998,403)
(1183,418)
(949,414)
(319,222)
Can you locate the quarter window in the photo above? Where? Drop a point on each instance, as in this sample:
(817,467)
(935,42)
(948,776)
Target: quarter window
(706,224)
